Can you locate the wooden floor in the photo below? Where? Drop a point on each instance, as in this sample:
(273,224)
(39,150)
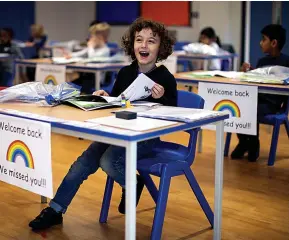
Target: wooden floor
(255,199)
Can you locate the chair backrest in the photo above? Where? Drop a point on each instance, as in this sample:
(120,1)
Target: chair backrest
(191,100)
(285,107)
(179,45)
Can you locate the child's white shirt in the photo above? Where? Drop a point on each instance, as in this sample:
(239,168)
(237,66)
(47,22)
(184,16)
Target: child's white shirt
(90,52)
(215,64)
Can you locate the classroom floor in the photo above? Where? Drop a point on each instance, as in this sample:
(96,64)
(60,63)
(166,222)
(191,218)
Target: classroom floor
(255,199)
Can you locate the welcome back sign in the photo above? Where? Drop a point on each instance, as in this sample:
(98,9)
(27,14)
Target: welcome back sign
(25,154)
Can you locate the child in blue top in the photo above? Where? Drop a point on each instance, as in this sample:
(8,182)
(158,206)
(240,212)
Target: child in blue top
(272,42)
(146,42)
(7,46)
(37,38)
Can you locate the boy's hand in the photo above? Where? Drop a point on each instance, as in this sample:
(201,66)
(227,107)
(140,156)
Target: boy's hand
(246,67)
(101,93)
(29,44)
(91,43)
(157,91)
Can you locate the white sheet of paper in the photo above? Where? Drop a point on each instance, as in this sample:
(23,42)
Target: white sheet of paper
(139,89)
(178,113)
(138,124)
(110,99)
(63,60)
(226,74)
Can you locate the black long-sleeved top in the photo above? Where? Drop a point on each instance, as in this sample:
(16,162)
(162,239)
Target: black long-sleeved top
(160,75)
(275,101)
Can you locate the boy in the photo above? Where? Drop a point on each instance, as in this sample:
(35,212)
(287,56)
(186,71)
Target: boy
(7,47)
(272,42)
(146,42)
(96,47)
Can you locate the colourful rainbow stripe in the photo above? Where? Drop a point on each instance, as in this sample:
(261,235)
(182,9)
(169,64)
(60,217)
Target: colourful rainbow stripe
(50,79)
(19,148)
(229,105)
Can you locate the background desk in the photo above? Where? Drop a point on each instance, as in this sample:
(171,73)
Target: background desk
(95,68)
(206,58)
(129,141)
(186,79)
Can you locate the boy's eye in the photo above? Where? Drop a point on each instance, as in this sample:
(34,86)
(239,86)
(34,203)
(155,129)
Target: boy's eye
(151,41)
(138,40)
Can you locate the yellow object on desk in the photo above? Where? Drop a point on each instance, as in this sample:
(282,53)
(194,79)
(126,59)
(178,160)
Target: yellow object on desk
(127,104)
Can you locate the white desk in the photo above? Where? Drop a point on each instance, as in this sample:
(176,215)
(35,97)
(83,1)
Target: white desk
(95,68)
(129,141)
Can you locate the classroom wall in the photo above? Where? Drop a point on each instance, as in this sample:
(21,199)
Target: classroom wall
(69,20)
(65,20)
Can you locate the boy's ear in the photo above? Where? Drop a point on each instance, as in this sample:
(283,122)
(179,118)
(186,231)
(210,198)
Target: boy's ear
(274,43)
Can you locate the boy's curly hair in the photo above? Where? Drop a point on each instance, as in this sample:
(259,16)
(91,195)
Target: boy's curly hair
(166,41)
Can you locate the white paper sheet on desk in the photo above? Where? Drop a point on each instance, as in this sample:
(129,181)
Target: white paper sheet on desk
(139,89)
(138,124)
(226,74)
(63,60)
(178,114)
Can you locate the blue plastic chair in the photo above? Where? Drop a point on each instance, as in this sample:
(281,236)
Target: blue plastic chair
(109,85)
(170,160)
(275,120)
(187,66)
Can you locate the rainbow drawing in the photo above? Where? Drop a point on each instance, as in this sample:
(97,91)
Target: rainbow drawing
(229,105)
(19,148)
(50,79)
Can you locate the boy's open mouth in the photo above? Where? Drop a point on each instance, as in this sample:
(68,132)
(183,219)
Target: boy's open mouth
(144,54)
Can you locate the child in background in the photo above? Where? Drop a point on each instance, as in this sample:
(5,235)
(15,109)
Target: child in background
(209,37)
(7,46)
(146,42)
(37,38)
(96,47)
(272,42)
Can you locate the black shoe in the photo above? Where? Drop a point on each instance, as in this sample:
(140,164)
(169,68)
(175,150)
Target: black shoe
(139,188)
(239,151)
(254,150)
(46,219)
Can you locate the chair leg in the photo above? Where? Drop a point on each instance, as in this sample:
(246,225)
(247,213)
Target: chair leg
(274,142)
(200,196)
(161,206)
(106,200)
(150,185)
(227,144)
(287,127)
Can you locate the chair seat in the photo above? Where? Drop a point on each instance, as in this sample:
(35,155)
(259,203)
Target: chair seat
(165,154)
(271,119)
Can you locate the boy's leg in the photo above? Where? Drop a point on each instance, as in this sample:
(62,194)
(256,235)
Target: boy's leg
(254,142)
(113,163)
(86,164)
(241,148)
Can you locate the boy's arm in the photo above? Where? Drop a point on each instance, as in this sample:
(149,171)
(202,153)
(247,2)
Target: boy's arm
(82,53)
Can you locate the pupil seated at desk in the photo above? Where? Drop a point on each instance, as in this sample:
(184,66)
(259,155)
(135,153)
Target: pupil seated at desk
(208,36)
(146,42)
(96,47)
(272,42)
(37,38)
(7,46)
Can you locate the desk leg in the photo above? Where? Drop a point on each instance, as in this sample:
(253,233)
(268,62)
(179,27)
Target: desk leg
(17,74)
(200,141)
(206,65)
(130,183)
(235,64)
(43,199)
(97,80)
(218,179)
